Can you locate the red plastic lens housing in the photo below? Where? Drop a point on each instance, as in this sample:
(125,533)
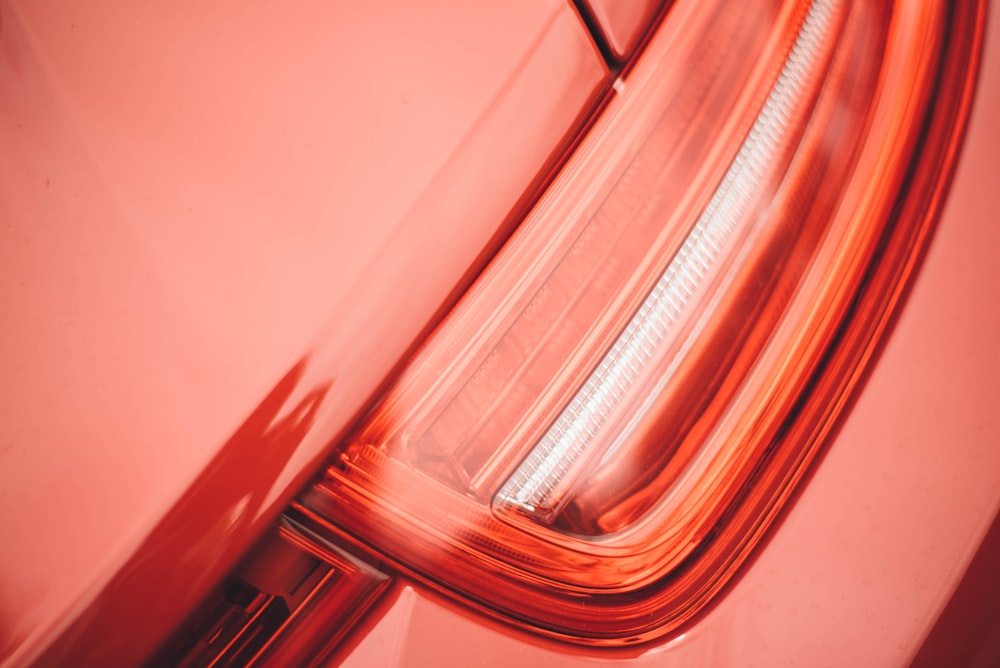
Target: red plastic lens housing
(598,435)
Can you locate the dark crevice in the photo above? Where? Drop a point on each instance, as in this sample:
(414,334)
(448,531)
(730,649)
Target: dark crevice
(596,34)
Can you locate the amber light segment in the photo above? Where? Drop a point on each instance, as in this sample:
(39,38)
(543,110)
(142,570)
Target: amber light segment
(653,516)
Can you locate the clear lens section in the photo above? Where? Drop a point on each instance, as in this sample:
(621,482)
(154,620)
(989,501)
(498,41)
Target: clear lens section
(596,437)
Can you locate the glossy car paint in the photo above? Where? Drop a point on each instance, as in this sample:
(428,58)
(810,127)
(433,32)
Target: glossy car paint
(855,575)
(869,555)
(222,227)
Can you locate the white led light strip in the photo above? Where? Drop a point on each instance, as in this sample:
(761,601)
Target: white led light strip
(579,423)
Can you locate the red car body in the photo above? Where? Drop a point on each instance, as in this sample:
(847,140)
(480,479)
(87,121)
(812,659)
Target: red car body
(222,229)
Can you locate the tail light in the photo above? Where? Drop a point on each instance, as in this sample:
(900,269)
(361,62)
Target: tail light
(595,439)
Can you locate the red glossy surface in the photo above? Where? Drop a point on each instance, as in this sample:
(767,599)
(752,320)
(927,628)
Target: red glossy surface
(623,22)
(874,546)
(686,445)
(214,211)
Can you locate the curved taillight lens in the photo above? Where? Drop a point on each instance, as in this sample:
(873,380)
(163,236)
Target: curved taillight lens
(595,438)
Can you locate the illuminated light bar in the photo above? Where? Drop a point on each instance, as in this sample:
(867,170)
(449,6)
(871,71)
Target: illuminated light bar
(596,438)
(579,424)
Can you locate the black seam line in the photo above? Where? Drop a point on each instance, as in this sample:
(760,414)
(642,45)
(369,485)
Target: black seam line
(597,35)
